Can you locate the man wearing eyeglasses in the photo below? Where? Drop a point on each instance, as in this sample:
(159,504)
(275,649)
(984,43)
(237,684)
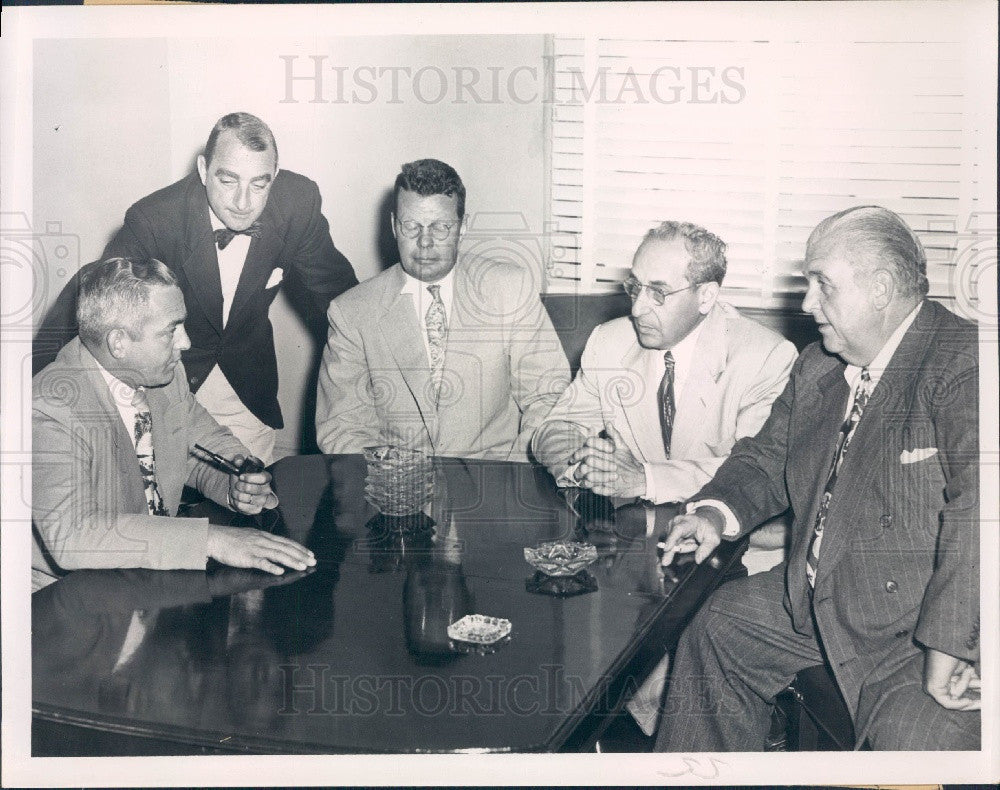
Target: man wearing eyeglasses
(663,394)
(451,357)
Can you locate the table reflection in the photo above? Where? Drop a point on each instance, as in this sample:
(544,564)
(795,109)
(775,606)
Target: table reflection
(354,656)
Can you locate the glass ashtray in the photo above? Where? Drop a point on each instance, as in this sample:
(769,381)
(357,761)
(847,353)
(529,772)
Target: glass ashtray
(561,558)
(479,629)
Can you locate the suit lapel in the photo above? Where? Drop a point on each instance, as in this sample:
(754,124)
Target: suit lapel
(812,453)
(701,386)
(263,251)
(639,410)
(95,400)
(402,332)
(200,262)
(170,448)
(866,457)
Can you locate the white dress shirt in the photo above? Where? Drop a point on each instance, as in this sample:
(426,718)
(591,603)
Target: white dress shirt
(231,262)
(121,394)
(655,366)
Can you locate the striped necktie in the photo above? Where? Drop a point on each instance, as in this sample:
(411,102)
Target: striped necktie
(437,328)
(665,401)
(861,394)
(144,452)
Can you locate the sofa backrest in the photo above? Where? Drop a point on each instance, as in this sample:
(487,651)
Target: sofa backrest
(575,316)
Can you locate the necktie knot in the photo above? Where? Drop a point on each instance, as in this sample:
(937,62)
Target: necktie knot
(668,360)
(225,235)
(139,400)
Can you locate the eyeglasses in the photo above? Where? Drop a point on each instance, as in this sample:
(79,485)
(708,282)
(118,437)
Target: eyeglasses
(633,288)
(439,230)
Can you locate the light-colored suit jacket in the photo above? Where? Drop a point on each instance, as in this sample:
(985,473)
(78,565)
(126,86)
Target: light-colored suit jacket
(504,367)
(738,368)
(88,503)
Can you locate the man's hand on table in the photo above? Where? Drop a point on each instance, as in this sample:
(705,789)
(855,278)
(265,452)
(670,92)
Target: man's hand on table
(250,492)
(242,547)
(700,532)
(952,682)
(607,466)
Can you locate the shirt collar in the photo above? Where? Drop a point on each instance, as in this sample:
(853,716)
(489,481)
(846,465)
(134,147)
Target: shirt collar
(683,350)
(418,288)
(121,393)
(878,365)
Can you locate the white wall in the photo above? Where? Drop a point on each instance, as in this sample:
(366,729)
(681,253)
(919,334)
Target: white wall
(117,119)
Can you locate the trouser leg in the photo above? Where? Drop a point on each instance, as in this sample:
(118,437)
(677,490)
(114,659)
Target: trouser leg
(734,657)
(906,718)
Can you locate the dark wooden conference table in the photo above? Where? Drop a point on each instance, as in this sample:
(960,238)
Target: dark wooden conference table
(354,657)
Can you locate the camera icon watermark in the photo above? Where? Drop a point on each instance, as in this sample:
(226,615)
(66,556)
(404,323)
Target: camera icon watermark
(503,240)
(34,267)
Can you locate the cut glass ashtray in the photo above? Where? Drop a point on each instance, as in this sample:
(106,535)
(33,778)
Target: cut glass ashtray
(479,629)
(561,558)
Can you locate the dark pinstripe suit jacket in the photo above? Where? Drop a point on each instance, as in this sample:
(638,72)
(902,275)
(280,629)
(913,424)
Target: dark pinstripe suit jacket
(899,566)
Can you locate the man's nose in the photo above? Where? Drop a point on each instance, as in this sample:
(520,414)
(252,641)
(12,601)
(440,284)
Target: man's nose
(640,305)
(424,238)
(242,199)
(809,300)
(181,340)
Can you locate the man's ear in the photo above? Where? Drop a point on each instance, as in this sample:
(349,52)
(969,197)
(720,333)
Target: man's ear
(882,288)
(708,293)
(202,169)
(392,223)
(117,342)
(463,226)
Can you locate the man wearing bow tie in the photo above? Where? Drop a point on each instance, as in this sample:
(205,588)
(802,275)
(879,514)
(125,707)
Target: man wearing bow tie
(229,232)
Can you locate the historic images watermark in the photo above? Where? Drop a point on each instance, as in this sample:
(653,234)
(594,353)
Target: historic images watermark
(318,79)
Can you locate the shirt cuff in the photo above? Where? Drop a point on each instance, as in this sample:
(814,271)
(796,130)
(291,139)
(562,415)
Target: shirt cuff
(732,527)
(650,495)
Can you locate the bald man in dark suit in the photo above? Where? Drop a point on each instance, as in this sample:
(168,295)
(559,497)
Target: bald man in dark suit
(874,446)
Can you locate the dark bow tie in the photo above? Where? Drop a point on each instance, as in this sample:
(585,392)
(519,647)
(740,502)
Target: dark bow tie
(224,235)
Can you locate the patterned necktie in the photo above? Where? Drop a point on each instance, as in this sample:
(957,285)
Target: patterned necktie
(437,328)
(665,400)
(144,452)
(224,235)
(861,395)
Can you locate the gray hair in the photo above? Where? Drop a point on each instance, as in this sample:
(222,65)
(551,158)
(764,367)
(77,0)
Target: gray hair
(250,130)
(875,238)
(115,294)
(707,251)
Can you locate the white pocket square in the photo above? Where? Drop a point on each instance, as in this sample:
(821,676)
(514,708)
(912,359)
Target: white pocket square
(275,278)
(920,454)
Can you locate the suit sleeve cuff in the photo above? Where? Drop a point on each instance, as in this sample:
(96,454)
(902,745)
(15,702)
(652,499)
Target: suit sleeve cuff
(732,528)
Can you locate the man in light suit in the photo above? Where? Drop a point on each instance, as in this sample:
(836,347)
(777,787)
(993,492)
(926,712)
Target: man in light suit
(874,446)
(609,431)
(229,232)
(113,431)
(450,357)
(725,371)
